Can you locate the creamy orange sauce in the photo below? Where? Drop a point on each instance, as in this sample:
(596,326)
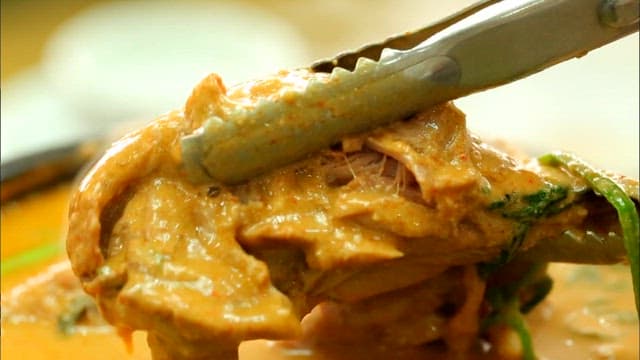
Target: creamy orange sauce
(589,314)
(46,221)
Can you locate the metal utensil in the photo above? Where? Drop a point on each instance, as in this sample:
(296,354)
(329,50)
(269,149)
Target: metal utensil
(486,45)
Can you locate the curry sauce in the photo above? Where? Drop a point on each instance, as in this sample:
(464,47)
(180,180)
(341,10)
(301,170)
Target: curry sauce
(588,315)
(412,240)
(409,240)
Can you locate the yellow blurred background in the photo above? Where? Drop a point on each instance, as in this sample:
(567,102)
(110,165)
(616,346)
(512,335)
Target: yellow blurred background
(72,69)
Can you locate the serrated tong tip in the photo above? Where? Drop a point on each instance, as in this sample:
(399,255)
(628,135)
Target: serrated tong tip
(486,45)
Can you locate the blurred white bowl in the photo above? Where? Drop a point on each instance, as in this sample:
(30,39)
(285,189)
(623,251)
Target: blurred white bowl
(133,59)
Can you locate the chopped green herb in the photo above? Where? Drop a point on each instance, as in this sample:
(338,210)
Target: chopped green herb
(76,310)
(539,291)
(507,308)
(30,257)
(613,192)
(529,207)
(513,317)
(525,209)
(510,315)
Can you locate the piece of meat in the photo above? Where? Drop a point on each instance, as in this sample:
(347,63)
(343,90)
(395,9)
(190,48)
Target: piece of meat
(383,232)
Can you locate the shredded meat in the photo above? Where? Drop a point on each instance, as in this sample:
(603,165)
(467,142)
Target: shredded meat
(376,240)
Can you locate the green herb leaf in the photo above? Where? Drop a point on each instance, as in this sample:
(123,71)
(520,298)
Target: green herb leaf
(507,309)
(525,209)
(513,317)
(30,257)
(529,207)
(616,196)
(76,309)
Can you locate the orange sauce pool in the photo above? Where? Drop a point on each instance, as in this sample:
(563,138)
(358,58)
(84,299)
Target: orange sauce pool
(590,313)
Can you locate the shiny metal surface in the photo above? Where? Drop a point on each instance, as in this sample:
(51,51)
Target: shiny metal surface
(482,47)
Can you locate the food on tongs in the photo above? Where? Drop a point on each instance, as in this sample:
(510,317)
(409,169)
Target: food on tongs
(411,238)
(413,234)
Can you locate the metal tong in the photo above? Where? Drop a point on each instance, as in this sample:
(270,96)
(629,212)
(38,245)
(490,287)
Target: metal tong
(483,46)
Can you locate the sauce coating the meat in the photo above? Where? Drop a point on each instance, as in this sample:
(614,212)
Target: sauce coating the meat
(589,314)
(389,241)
